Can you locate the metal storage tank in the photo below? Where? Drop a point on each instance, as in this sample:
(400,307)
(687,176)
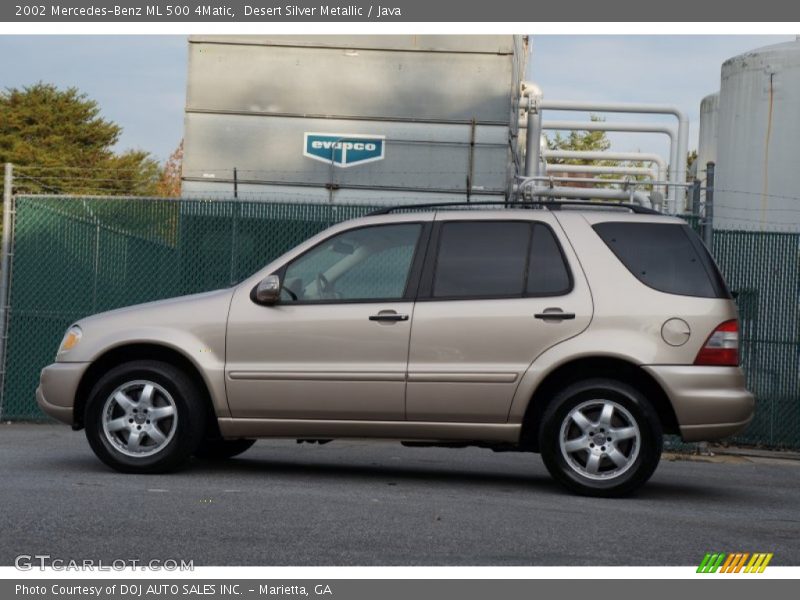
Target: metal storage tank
(707,145)
(759,128)
(353,118)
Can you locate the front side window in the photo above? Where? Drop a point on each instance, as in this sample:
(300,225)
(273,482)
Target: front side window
(371,263)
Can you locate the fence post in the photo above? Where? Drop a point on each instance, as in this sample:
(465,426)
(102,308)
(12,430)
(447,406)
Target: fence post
(5,275)
(235,213)
(708,220)
(696,199)
(96,269)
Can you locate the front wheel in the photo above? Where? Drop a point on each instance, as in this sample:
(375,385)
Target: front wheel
(145,417)
(601,437)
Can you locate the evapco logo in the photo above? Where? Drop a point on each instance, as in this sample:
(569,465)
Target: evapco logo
(344,149)
(736,562)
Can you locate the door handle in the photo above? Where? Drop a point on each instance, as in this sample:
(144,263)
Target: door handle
(554,314)
(388,316)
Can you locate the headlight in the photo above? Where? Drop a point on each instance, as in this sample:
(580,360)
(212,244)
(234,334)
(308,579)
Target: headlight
(71,339)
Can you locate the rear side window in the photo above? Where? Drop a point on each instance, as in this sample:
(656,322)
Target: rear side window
(668,257)
(547,271)
(479,258)
(495,259)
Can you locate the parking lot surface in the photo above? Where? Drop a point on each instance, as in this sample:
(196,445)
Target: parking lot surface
(362,503)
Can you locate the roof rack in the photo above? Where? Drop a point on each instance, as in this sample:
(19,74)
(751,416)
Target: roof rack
(548,204)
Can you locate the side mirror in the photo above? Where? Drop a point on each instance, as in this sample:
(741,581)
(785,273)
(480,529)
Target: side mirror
(268,291)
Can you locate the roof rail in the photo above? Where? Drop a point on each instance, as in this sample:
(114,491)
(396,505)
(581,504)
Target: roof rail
(547,204)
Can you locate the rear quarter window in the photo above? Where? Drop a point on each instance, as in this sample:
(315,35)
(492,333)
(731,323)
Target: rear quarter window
(668,257)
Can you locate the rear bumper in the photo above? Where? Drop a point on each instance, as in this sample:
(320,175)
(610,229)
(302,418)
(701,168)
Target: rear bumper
(58,385)
(710,403)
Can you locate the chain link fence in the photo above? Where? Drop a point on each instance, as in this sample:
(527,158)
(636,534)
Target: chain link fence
(73,257)
(763,270)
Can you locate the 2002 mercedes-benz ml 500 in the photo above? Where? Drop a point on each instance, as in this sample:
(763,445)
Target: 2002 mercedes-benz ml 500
(582,334)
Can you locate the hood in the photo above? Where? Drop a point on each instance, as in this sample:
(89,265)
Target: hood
(191,324)
(152,309)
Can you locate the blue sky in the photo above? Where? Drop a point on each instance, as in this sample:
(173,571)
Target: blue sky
(668,69)
(140,81)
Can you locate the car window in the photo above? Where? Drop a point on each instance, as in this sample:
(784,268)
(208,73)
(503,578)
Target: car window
(548,274)
(481,259)
(668,257)
(360,264)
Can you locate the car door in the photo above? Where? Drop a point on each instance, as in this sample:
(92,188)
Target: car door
(494,295)
(336,344)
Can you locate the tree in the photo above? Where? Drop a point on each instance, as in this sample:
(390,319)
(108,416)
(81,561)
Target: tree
(595,141)
(691,158)
(169,185)
(60,143)
(591,141)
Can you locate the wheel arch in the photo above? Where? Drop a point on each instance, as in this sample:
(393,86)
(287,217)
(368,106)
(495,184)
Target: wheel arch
(140,351)
(586,368)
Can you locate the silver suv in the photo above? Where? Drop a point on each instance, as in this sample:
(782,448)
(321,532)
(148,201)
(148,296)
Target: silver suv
(582,334)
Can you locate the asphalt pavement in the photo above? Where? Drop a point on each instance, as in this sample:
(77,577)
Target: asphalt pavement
(379,503)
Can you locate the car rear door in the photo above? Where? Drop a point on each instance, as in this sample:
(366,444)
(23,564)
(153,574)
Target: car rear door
(494,294)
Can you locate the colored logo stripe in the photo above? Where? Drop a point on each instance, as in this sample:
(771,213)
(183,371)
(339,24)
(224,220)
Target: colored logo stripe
(758,563)
(711,562)
(734,562)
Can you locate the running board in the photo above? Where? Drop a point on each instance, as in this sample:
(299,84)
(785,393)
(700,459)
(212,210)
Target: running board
(393,430)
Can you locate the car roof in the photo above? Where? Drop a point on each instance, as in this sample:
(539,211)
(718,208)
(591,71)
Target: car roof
(591,214)
(525,204)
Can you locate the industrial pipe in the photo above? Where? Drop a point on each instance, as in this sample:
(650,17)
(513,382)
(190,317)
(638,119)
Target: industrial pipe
(599,180)
(628,128)
(585,193)
(644,157)
(678,163)
(653,173)
(533,94)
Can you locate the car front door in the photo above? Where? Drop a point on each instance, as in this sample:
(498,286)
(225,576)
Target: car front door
(336,344)
(494,294)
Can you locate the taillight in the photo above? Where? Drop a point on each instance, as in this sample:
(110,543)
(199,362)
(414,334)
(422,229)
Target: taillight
(721,347)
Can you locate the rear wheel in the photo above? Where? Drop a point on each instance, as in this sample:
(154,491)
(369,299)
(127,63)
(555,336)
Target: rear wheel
(145,417)
(601,437)
(218,449)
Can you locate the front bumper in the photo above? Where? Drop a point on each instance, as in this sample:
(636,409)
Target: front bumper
(710,403)
(58,386)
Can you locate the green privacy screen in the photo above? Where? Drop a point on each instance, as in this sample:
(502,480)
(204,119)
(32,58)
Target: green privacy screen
(74,257)
(763,269)
(77,256)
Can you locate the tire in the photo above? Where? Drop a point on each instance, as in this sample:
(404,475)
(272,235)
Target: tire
(120,423)
(575,433)
(217,449)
